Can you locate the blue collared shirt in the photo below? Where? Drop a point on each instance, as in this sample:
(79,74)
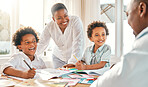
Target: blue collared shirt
(102,54)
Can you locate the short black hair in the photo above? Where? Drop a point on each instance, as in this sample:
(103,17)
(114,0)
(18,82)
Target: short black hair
(17,37)
(57,7)
(94,25)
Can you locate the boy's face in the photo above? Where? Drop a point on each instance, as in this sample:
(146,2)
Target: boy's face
(28,45)
(98,36)
(61,18)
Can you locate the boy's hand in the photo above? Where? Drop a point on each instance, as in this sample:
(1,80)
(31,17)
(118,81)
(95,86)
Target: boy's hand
(80,66)
(30,73)
(69,66)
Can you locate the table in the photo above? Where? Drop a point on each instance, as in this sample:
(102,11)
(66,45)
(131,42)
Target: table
(19,81)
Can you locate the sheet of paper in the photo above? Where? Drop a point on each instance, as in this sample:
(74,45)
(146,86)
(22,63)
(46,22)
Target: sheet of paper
(98,71)
(6,83)
(16,78)
(48,73)
(78,76)
(71,82)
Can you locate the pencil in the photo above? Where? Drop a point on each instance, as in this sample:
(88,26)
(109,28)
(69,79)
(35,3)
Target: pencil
(27,64)
(75,57)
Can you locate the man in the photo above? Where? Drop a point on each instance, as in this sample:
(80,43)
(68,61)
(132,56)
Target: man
(132,70)
(67,33)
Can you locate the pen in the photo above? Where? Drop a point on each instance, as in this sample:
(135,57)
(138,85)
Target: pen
(75,57)
(27,64)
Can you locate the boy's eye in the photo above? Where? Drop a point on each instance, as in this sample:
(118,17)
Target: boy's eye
(58,18)
(65,15)
(26,42)
(33,41)
(103,34)
(96,35)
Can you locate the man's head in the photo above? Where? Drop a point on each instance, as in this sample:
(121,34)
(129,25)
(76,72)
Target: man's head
(25,39)
(60,15)
(137,14)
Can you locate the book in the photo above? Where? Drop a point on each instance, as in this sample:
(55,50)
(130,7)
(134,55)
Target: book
(97,72)
(46,74)
(87,81)
(52,83)
(70,81)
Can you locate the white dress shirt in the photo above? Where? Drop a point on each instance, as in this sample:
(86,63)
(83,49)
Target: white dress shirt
(69,43)
(132,71)
(17,62)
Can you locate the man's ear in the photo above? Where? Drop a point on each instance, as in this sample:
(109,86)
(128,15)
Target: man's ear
(142,9)
(53,18)
(19,47)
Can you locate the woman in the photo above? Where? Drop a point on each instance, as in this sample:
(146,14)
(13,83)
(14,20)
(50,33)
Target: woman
(67,33)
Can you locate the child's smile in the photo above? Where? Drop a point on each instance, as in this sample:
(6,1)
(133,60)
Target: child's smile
(28,45)
(32,49)
(98,36)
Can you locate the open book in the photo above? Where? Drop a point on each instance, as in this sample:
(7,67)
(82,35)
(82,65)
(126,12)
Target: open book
(45,74)
(97,72)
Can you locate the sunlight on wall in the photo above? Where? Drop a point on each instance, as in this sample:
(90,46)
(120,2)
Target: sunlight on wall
(31,14)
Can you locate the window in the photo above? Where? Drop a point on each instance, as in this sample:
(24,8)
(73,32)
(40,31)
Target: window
(107,13)
(128,36)
(31,14)
(5,26)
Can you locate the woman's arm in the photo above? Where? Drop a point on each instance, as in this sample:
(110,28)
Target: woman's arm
(78,41)
(44,41)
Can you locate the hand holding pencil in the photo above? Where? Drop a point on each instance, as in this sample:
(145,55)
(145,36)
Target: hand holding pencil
(80,64)
(80,60)
(30,73)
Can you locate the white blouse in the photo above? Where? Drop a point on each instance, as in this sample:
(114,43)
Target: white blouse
(69,43)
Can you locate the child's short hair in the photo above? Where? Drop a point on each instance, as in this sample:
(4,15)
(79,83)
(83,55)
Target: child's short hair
(57,7)
(17,37)
(94,25)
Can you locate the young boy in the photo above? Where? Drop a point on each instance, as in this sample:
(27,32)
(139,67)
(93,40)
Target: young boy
(25,39)
(98,55)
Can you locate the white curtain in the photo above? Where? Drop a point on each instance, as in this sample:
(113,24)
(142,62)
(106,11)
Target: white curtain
(90,12)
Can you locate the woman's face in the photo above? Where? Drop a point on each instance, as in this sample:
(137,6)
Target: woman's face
(61,18)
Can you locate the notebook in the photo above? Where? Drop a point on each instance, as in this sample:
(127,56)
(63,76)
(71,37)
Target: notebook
(97,72)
